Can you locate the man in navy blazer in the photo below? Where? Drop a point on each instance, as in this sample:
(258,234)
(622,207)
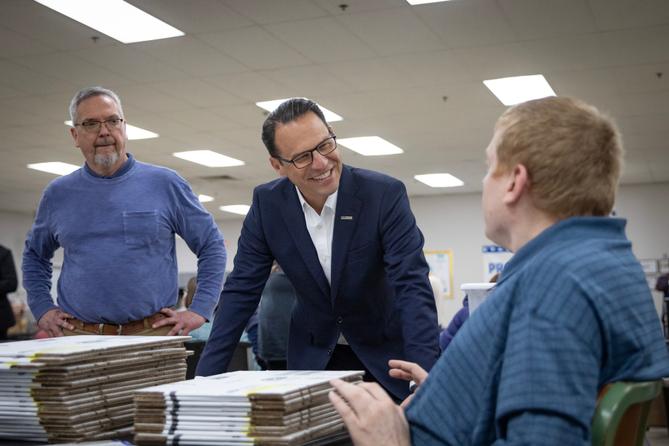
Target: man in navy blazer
(348,241)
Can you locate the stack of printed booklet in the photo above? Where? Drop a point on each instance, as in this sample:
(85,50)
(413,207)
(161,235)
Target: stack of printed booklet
(80,388)
(238,408)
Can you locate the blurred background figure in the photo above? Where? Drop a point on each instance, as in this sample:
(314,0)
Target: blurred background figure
(662,284)
(8,284)
(447,334)
(250,334)
(276,306)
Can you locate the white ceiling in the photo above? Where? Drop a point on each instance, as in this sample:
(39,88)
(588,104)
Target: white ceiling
(409,74)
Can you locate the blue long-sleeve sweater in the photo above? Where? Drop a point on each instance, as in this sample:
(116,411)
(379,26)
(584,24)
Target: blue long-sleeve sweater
(119,249)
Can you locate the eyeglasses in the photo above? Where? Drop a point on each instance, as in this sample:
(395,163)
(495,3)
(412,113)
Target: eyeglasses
(94,126)
(328,145)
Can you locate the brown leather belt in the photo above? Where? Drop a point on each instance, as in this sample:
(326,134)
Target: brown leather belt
(129,328)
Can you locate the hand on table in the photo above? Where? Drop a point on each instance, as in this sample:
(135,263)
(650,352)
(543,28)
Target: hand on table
(370,415)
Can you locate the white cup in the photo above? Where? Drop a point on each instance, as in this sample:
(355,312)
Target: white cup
(476,293)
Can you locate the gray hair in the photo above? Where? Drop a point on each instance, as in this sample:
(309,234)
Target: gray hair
(89,92)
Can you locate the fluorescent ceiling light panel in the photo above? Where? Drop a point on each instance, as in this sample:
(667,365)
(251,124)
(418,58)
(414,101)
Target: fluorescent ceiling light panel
(133,132)
(439,180)
(205,198)
(55,167)
(116,18)
(370,146)
(241,209)
(208,158)
(517,89)
(423,2)
(270,106)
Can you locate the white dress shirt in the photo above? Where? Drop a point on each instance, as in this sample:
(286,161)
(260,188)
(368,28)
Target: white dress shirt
(320,229)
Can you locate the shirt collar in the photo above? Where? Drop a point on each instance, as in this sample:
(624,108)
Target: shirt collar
(573,228)
(330,203)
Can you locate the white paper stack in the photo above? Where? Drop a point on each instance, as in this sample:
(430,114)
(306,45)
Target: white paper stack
(239,408)
(78,388)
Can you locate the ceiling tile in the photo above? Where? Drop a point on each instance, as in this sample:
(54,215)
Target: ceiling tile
(253,86)
(380,30)
(27,81)
(495,61)
(15,44)
(49,27)
(197,93)
(69,67)
(194,57)
(620,14)
(335,6)
(433,68)
(321,40)
(533,19)
(255,48)
(200,119)
(143,100)
(309,81)
(132,63)
(370,74)
(273,11)
(194,16)
(647,103)
(467,23)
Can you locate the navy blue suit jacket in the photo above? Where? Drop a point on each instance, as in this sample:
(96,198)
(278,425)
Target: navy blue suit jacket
(380,296)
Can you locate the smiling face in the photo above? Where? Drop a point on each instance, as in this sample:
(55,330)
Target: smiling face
(103,150)
(318,180)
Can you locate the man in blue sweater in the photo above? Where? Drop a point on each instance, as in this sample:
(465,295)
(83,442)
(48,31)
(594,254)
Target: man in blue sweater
(571,312)
(115,219)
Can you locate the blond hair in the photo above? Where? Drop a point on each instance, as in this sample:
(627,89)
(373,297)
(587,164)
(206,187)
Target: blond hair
(572,152)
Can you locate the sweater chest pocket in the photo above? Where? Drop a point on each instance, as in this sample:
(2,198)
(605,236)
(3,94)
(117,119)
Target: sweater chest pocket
(140,228)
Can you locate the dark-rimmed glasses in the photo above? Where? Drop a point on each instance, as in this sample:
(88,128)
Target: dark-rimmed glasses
(92,126)
(302,160)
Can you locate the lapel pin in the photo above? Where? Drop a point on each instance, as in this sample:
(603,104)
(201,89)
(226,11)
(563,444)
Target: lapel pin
(346,217)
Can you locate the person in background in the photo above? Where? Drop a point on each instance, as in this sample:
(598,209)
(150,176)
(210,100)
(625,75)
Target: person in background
(276,306)
(116,219)
(202,333)
(348,241)
(8,284)
(437,290)
(571,312)
(447,334)
(662,284)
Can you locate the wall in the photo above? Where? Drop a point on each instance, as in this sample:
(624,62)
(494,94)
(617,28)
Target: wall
(455,222)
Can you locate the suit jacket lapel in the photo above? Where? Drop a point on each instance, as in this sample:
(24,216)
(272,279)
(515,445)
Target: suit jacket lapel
(346,220)
(293,217)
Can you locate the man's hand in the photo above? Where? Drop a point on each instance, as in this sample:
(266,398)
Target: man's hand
(53,322)
(184,321)
(408,371)
(370,416)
